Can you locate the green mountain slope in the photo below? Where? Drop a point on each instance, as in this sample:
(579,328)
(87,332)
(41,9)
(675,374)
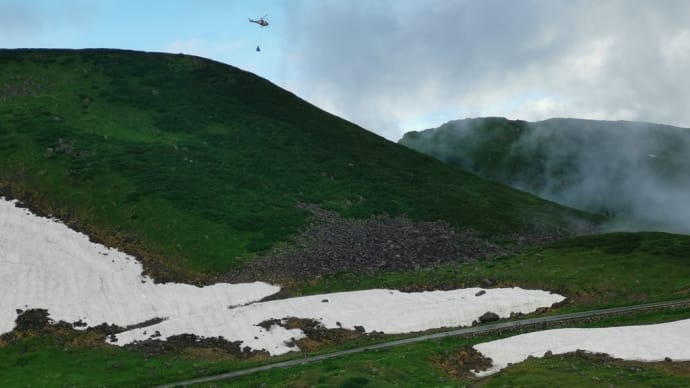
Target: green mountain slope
(635,170)
(200,166)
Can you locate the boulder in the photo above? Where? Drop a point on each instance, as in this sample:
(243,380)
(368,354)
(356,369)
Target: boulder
(489,317)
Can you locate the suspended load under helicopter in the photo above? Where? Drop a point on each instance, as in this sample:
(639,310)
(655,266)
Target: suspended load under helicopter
(263,23)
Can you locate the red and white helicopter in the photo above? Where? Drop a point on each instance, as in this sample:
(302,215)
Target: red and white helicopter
(260,21)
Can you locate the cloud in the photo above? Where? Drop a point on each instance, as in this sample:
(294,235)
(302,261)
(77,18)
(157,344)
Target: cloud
(383,64)
(637,171)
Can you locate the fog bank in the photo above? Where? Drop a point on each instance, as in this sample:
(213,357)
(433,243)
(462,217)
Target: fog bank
(637,172)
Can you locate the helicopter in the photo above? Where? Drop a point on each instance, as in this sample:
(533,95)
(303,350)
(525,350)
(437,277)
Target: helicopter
(261,21)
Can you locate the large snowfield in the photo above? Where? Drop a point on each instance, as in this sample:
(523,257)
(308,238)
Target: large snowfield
(44,264)
(383,310)
(640,343)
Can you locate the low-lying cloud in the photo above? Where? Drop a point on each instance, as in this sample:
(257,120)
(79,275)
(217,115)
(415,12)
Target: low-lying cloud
(385,64)
(636,171)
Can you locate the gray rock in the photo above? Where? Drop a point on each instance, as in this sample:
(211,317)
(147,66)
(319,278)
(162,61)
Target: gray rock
(489,317)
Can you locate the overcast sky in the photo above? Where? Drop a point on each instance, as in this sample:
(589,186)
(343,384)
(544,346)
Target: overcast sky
(396,65)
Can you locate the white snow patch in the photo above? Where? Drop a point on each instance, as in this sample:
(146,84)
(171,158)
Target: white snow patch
(389,311)
(639,343)
(44,264)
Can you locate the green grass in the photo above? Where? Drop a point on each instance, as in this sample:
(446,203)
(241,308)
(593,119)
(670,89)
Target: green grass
(592,271)
(574,370)
(200,165)
(413,366)
(42,362)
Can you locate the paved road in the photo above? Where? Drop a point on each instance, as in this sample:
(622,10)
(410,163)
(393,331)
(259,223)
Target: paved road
(452,333)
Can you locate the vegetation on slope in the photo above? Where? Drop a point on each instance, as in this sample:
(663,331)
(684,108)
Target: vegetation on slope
(201,166)
(637,171)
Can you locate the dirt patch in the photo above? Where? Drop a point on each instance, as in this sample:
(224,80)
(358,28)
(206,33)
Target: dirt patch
(682,292)
(461,363)
(19,86)
(33,320)
(36,322)
(267,324)
(317,335)
(190,344)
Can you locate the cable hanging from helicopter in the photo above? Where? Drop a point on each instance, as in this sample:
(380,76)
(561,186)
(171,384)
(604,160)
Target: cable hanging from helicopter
(263,23)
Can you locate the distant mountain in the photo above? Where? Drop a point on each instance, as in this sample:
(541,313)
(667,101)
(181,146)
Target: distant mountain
(638,171)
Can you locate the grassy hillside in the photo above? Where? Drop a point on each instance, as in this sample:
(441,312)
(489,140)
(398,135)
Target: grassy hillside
(635,170)
(200,165)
